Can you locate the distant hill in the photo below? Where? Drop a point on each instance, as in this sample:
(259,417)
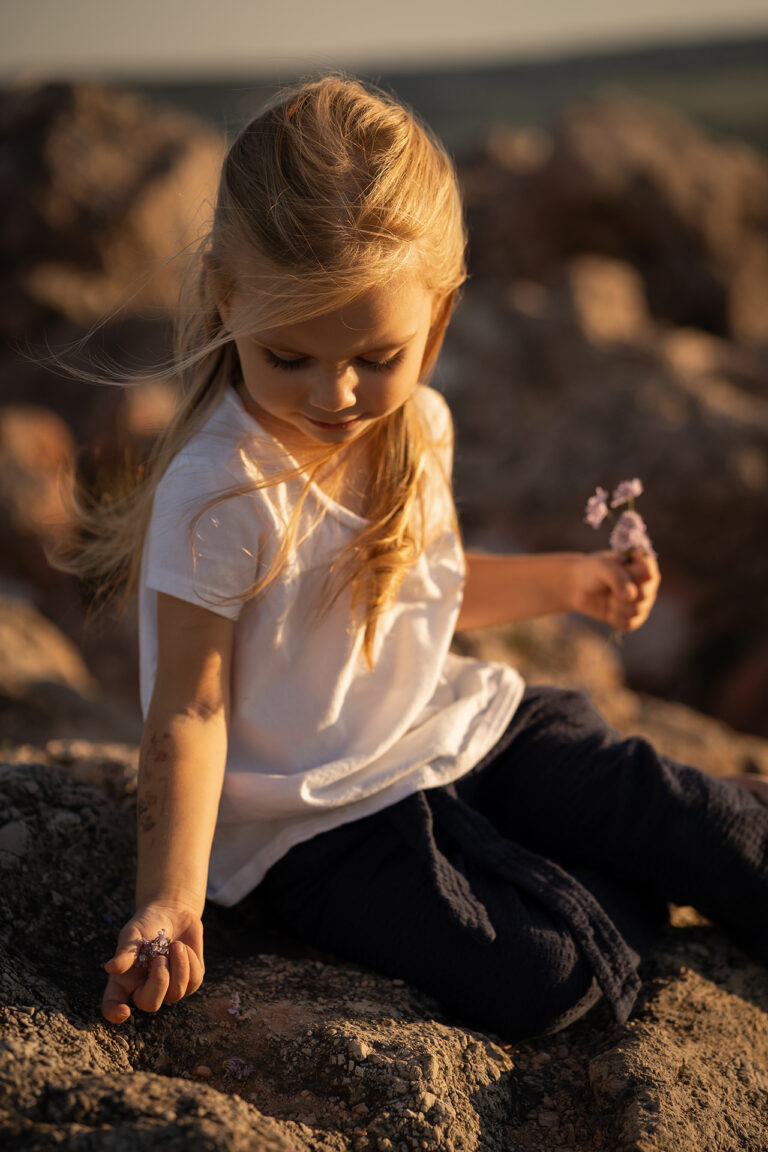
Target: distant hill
(722,85)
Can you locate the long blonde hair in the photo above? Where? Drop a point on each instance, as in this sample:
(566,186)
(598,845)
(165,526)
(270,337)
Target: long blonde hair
(332,190)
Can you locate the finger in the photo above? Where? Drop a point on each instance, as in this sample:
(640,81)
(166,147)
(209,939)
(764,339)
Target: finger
(179,972)
(627,616)
(196,972)
(619,578)
(123,959)
(643,568)
(113,1004)
(150,995)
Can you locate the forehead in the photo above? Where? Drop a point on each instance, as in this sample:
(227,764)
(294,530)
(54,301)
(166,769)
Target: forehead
(383,316)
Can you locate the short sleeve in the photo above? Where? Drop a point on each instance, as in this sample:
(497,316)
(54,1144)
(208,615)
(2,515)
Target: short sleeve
(203,543)
(438,421)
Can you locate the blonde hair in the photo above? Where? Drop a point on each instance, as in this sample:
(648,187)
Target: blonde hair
(332,190)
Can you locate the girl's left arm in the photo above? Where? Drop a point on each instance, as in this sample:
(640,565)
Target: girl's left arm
(502,588)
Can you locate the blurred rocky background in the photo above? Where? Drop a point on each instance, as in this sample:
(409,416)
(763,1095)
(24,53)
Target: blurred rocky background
(615,324)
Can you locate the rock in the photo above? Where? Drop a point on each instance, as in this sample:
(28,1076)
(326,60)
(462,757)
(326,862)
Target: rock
(544,414)
(668,1082)
(101,193)
(741,695)
(561,378)
(638,183)
(327,1056)
(571,653)
(100,189)
(46,690)
(325,1038)
(608,298)
(36,448)
(14,838)
(33,650)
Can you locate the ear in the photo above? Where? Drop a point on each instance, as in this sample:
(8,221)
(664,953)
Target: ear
(220,292)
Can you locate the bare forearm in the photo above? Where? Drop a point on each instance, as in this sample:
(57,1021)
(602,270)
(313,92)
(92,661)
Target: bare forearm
(180,778)
(504,588)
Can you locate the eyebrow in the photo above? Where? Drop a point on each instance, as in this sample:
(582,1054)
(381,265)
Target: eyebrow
(386,346)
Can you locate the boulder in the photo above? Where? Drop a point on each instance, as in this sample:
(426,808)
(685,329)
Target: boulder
(286,1049)
(46,690)
(638,183)
(100,189)
(545,413)
(36,450)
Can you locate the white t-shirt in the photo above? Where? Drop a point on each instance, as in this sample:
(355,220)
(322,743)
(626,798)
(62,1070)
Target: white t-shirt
(316,739)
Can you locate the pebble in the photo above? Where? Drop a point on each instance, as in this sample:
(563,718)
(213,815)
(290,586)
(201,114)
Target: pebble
(203,1071)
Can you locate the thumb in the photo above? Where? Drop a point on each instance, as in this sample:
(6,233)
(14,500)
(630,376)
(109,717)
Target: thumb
(123,959)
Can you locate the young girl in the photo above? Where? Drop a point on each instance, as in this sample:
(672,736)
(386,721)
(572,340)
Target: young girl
(308,731)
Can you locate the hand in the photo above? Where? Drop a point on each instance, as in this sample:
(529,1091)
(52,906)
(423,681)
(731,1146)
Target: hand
(618,592)
(167,978)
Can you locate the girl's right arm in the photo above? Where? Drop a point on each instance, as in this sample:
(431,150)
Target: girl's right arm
(181,770)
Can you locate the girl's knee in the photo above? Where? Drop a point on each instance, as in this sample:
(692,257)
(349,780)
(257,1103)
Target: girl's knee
(538,989)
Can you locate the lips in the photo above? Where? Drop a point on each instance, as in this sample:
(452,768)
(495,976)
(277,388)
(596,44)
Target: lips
(336,425)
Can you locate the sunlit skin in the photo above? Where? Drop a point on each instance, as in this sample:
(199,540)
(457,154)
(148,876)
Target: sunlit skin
(328,379)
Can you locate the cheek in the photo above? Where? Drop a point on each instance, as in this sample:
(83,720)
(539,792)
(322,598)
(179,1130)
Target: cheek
(387,393)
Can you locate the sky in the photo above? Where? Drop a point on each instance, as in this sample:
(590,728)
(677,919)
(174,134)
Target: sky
(177,38)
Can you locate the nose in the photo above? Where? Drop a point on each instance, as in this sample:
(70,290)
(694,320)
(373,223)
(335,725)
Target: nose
(333,389)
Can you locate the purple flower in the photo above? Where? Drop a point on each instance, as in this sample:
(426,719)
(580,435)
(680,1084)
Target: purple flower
(630,533)
(149,949)
(626,491)
(597,508)
(237,1068)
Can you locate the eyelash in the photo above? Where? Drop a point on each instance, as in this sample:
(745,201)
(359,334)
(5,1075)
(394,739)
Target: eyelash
(295,365)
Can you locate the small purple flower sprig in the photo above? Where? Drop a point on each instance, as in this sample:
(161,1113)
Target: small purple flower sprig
(629,532)
(149,949)
(238,1069)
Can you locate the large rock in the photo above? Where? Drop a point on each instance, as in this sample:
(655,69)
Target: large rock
(46,690)
(99,190)
(641,184)
(615,326)
(289,1050)
(547,408)
(104,196)
(36,450)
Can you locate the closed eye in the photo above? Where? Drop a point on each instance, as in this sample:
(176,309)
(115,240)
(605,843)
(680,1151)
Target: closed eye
(285,365)
(383,365)
(293,365)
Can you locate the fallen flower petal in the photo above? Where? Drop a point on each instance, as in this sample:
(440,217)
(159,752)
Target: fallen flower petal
(237,1068)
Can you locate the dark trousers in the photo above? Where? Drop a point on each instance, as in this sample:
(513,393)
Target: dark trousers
(537,880)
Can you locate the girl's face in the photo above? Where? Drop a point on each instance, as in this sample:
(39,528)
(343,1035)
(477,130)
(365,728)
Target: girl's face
(326,380)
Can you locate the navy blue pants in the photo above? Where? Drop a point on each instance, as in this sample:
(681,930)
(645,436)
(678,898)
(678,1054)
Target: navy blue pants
(537,881)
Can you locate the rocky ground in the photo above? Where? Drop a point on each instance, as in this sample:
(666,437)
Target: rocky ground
(288,1049)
